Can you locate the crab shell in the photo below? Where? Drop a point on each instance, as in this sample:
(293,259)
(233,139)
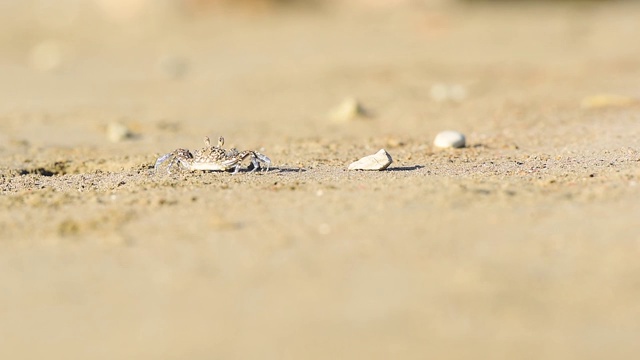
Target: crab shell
(212,158)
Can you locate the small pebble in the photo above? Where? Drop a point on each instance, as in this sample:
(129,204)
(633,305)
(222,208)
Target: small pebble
(349,109)
(117,132)
(449,139)
(378,161)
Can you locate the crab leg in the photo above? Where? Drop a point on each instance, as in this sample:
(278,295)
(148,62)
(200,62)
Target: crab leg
(262,158)
(160,160)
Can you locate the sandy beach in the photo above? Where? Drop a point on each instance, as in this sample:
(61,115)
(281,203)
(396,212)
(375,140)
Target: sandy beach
(524,244)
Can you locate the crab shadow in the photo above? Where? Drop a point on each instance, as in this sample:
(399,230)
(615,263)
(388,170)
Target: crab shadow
(287,170)
(405,168)
(272,169)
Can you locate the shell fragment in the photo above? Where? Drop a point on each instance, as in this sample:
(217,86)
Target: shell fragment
(378,161)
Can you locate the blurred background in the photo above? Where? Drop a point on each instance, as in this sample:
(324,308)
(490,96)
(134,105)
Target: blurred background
(135,61)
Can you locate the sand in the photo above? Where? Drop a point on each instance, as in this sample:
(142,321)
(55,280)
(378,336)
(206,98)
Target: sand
(522,245)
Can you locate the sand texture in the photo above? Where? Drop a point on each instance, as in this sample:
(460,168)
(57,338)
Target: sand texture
(522,245)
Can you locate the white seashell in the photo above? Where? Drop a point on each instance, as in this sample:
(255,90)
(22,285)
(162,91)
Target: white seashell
(378,161)
(449,139)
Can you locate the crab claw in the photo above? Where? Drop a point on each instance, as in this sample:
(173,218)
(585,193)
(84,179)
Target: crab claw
(181,157)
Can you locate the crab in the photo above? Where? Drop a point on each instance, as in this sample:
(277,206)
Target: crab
(212,158)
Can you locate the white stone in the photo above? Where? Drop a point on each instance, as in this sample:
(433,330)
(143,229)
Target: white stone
(449,139)
(378,161)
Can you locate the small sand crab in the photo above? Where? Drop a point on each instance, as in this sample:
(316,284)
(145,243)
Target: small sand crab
(213,158)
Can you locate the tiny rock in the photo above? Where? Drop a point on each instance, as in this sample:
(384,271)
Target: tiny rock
(378,161)
(349,109)
(117,132)
(449,139)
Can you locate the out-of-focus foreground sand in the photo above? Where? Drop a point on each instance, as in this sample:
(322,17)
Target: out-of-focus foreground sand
(524,245)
